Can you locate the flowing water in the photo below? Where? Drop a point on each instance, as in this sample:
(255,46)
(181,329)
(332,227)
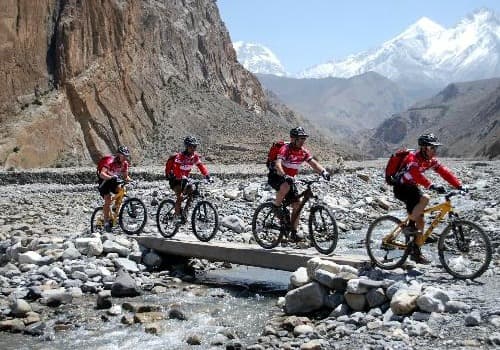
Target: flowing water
(238,303)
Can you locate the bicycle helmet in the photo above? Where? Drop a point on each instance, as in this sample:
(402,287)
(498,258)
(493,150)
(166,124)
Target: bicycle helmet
(123,150)
(298,132)
(428,140)
(191,141)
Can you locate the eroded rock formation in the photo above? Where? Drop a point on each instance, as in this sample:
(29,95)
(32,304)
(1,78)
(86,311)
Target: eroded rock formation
(82,76)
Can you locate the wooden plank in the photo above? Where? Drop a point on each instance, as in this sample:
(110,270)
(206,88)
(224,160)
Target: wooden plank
(278,258)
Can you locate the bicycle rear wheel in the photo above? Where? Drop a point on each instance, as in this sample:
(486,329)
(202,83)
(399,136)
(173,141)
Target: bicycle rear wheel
(133,216)
(266,226)
(464,249)
(323,229)
(384,253)
(204,221)
(97,220)
(165,219)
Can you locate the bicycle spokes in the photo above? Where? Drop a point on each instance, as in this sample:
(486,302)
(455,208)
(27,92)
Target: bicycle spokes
(166,221)
(385,243)
(323,229)
(267,228)
(133,216)
(464,249)
(204,221)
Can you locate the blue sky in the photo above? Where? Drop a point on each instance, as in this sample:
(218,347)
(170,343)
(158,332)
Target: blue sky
(304,33)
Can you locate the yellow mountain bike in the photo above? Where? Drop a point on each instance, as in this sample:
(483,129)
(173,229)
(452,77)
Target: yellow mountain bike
(464,248)
(128,212)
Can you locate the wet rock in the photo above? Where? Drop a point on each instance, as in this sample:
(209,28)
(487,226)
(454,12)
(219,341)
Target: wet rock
(148,317)
(473,319)
(194,339)
(104,300)
(124,285)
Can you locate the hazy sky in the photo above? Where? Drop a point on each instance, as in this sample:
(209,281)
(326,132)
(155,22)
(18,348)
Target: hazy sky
(304,33)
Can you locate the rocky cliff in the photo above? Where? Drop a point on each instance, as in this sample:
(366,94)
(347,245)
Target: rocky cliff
(82,76)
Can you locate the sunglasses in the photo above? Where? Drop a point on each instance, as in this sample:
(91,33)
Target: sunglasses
(434,148)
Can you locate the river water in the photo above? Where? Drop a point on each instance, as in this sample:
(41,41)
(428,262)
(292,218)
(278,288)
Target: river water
(243,299)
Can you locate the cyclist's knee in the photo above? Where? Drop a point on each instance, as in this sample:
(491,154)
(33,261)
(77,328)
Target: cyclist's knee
(424,199)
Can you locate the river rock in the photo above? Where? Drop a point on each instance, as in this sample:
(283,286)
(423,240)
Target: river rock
(404,301)
(124,285)
(305,299)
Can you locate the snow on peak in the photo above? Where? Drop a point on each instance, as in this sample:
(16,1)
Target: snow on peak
(426,53)
(423,27)
(258,58)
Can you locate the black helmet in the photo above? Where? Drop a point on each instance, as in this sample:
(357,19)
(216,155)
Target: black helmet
(428,140)
(123,150)
(191,141)
(298,132)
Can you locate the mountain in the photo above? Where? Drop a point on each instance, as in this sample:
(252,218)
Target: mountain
(464,116)
(258,59)
(81,77)
(427,55)
(340,106)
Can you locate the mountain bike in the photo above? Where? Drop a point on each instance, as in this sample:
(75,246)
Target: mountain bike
(204,218)
(464,248)
(269,226)
(128,212)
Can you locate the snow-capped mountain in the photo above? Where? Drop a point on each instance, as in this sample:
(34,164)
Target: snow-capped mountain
(258,59)
(426,54)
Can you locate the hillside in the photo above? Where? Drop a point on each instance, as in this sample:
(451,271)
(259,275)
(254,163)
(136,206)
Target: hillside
(465,116)
(340,106)
(85,76)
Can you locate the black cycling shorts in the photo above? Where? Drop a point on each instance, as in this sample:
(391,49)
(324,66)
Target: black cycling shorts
(175,183)
(275,181)
(108,186)
(409,194)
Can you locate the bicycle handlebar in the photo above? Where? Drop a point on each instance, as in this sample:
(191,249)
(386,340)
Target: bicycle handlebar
(309,182)
(454,193)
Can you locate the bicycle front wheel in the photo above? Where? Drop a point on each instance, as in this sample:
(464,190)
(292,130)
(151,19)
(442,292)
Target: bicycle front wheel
(464,249)
(97,220)
(204,221)
(133,216)
(165,219)
(323,229)
(266,226)
(385,243)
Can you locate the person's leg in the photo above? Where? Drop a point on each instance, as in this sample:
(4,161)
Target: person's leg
(417,215)
(282,187)
(179,196)
(106,208)
(281,194)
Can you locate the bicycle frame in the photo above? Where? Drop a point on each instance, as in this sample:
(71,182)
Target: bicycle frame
(190,196)
(306,195)
(442,208)
(116,203)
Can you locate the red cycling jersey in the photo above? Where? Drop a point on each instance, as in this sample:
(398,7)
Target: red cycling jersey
(113,165)
(183,163)
(416,165)
(292,158)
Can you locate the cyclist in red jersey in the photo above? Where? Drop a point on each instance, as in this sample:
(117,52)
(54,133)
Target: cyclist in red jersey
(406,188)
(109,170)
(182,165)
(287,165)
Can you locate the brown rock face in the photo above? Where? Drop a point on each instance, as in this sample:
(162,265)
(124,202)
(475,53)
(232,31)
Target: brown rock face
(81,77)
